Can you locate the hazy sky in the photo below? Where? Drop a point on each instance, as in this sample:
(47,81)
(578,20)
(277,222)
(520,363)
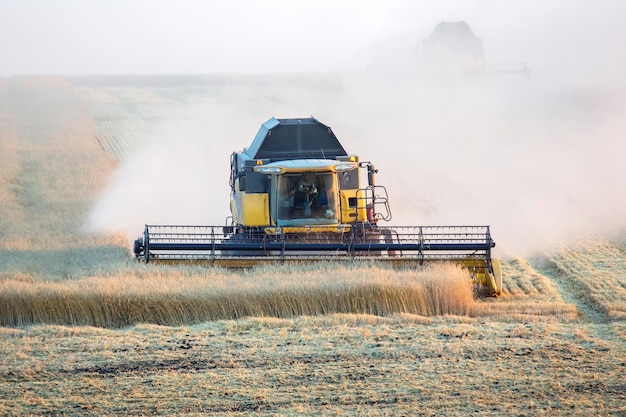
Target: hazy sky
(194,36)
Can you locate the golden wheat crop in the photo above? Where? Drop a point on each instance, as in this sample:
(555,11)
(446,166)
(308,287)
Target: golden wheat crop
(162,296)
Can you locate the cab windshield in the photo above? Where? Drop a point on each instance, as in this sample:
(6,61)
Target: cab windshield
(307,199)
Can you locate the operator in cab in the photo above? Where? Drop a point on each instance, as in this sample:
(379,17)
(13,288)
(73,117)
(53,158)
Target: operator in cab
(307,184)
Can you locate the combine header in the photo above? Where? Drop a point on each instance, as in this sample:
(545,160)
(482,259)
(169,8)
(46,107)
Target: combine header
(297,197)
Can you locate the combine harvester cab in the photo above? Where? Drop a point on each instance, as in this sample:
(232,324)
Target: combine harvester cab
(297,197)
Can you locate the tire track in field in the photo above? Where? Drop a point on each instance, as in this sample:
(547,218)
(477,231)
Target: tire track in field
(569,289)
(576,273)
(575,291)
(593,275)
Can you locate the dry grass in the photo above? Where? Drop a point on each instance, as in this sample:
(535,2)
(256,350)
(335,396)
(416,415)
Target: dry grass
(325,365)
(167,297)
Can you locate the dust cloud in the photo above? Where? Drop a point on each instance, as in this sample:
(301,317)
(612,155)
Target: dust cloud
(180,173)
(179,176)
(537,156)
(540,164)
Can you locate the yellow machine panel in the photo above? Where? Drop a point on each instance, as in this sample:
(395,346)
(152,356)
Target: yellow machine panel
(254,209)
(352,208)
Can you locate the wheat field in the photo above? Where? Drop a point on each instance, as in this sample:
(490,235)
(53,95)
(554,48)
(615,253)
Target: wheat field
(87,331)
(168,297)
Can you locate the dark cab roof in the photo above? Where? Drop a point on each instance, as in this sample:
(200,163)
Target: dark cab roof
(303,138)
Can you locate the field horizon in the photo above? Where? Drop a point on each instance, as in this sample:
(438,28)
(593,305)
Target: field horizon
(85,330)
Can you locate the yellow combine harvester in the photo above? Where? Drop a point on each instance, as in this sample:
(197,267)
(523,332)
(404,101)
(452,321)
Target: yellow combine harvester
(452,49)
(297,196)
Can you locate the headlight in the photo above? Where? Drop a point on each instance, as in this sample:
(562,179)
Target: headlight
(349,166)
(268,170)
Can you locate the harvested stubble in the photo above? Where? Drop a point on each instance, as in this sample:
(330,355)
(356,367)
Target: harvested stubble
(172,297)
